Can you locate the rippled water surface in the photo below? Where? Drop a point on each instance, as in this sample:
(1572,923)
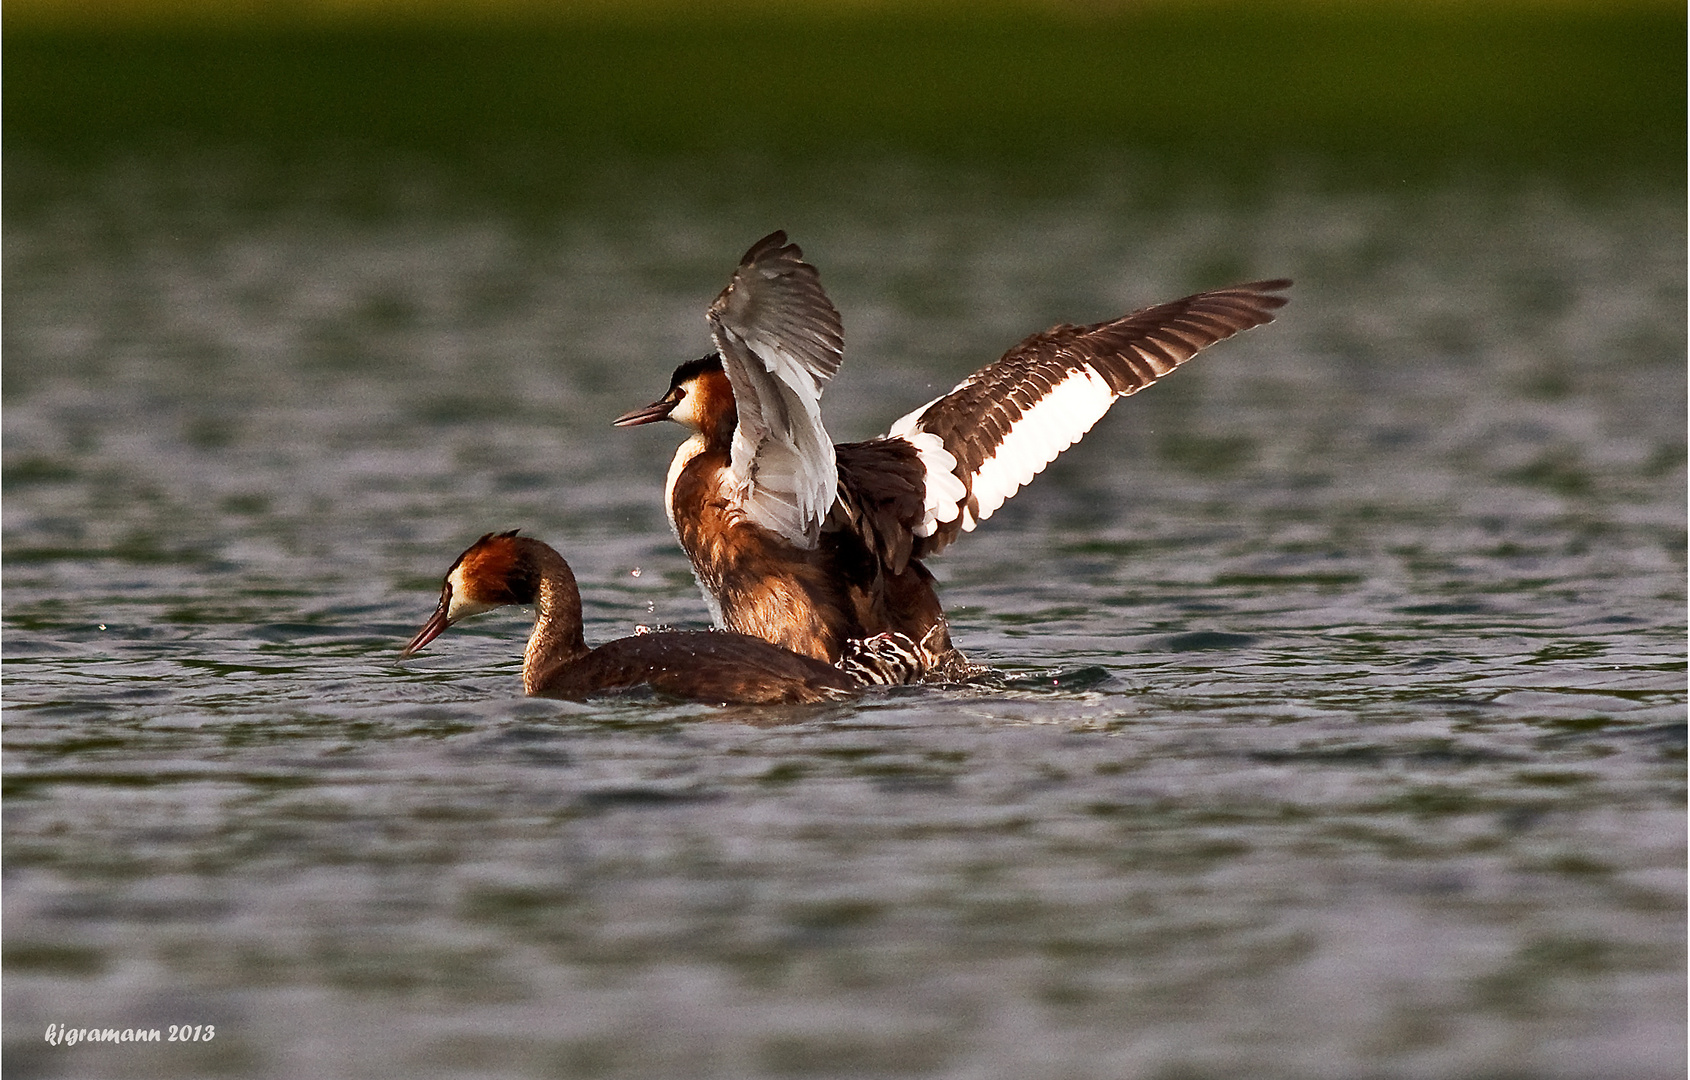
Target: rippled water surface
(1345,721)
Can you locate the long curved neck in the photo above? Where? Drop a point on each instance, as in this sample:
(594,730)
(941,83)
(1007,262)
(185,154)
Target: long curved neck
(712,412)
(726,424)
(557,640)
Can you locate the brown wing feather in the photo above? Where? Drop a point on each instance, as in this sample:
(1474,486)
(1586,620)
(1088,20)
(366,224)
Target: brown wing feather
(1128,353)
(880,497)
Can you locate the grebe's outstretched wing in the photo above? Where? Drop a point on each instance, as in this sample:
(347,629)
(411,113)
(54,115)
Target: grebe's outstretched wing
(1003,424)
(780,340)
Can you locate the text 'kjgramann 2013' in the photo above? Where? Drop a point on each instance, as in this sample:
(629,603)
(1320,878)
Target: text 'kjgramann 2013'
(64,1035)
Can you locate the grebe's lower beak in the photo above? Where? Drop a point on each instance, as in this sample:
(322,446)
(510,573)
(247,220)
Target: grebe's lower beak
(648,414)
(433,628)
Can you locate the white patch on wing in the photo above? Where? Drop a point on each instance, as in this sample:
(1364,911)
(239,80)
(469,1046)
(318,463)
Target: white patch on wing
(941,489)
(1054,423)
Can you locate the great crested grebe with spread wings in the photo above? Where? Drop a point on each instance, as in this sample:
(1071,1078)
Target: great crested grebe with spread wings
(817,547)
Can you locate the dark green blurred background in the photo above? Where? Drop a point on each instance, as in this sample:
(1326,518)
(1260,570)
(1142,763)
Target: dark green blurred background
(1377,93)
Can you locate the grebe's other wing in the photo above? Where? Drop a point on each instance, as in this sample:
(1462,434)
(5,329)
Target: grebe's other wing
(781,340)
(1006,422)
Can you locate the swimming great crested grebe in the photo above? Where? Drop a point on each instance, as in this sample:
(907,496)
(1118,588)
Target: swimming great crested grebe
(817,547)
(711,666)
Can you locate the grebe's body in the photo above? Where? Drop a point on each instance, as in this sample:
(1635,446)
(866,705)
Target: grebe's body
(710,666)
(822,599)
(818,547)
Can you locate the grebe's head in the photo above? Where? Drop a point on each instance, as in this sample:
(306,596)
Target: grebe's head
(496,570)
(700,398)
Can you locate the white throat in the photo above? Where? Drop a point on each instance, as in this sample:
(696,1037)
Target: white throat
(687,451)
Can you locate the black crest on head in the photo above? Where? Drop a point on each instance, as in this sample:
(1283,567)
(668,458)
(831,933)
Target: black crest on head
(692,369)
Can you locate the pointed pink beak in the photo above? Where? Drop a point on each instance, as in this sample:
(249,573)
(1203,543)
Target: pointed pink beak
(433,628)
(648,414)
